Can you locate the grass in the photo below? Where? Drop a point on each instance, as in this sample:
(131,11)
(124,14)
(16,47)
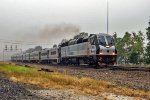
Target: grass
(56,80)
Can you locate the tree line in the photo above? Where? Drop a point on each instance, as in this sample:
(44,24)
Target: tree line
(131,49)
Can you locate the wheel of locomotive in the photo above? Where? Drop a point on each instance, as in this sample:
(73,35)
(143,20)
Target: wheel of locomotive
(67,61)
(96,65)
(63,61)
(81,61)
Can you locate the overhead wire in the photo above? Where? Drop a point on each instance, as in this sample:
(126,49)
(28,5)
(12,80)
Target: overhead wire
(24,42)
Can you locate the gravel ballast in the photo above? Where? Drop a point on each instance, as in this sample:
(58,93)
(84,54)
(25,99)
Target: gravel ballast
(18,91)
(14,91)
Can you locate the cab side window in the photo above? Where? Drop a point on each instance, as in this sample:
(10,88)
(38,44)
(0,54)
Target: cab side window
(92,41)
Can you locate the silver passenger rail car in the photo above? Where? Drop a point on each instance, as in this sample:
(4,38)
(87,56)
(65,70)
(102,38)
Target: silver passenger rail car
(95,49)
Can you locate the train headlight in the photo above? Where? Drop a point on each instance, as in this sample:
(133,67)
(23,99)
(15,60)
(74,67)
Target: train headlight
(113,53)
(101,52)
(107,46)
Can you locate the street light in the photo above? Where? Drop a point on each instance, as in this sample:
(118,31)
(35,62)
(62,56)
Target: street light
(107,17)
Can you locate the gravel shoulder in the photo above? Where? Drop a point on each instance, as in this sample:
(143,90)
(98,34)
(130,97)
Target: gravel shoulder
(14,91)
(17,91)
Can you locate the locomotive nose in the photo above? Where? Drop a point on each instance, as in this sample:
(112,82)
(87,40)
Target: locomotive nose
(107,51)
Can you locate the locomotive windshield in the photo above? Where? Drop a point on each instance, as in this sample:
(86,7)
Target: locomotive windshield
(110,40)
(105,40)
(101,40)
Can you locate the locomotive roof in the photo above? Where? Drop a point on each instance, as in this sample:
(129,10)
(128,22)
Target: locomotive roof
(104,34)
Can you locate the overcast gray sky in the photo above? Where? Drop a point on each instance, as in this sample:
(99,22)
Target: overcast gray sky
(22,18)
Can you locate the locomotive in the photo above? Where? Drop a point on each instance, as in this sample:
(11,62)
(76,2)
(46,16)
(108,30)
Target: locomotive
(93,49)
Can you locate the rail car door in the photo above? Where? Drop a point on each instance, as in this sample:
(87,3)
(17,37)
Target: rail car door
(48,54)
(39,56)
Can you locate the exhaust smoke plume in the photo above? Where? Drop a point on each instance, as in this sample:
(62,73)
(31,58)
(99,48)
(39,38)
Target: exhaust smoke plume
(49,34)
(58,31)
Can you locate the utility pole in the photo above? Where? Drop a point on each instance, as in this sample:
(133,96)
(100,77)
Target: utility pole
(3,55)
(5,49)
(107,17)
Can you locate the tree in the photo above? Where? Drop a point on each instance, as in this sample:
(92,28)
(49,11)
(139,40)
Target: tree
(127,45)
(134,58)
(148,32)
(119,45)
(130,47)
(137,47)
(147,50)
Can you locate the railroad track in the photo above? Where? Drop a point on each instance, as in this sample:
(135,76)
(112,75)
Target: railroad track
(86,67)
(123,68)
